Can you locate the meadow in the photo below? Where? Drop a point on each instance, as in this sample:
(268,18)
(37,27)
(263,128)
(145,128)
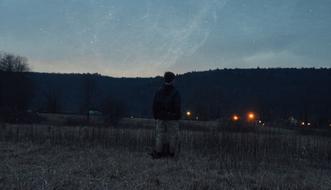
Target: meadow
(213,156)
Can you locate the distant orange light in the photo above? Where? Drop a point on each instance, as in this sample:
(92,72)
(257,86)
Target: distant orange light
(235,118)
(251,116)
(188,113)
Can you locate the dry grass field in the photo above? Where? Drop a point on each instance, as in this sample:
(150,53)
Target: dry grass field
(67,157)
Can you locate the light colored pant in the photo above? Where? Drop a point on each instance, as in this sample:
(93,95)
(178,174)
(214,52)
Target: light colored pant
(167,132)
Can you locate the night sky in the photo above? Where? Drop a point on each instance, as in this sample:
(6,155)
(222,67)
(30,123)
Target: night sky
(148,37)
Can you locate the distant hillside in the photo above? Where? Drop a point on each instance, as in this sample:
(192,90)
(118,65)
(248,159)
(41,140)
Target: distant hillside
(272,93)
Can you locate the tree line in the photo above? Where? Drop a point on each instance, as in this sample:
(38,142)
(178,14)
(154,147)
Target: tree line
(271,93)
(19,91)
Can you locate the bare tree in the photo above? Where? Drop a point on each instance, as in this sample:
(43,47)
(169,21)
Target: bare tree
(13,63)
(15,86)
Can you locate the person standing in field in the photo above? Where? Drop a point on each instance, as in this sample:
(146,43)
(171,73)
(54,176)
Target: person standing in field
(167,112)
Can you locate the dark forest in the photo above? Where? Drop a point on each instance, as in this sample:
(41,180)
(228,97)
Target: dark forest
(272,93)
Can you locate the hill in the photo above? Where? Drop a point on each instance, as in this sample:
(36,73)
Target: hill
(272,93)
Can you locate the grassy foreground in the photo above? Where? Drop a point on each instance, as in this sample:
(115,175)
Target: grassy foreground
(46,166)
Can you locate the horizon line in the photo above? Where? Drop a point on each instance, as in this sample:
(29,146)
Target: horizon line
(179,74)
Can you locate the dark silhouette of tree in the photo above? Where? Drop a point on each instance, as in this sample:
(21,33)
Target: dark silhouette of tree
(53,97)
(13,63)
(114,109)
(89,93)
(15,87)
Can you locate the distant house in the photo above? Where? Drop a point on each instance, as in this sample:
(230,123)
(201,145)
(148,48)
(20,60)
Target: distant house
(293,121)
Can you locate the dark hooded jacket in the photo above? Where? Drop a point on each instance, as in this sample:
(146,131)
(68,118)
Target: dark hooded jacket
(167,103)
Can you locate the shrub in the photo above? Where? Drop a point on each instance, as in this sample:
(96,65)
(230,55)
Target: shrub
(113,111)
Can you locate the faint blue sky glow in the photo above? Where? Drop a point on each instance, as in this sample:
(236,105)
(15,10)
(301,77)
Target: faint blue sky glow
(148,37)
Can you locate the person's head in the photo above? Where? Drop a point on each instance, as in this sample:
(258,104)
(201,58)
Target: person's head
(169,78)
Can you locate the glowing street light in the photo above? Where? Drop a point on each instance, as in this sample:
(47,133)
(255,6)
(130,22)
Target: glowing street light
(188,114)
(235,118)
(251,116)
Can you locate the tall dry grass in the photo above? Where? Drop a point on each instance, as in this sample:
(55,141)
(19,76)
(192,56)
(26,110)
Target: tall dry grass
(249,143)
(212,157)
